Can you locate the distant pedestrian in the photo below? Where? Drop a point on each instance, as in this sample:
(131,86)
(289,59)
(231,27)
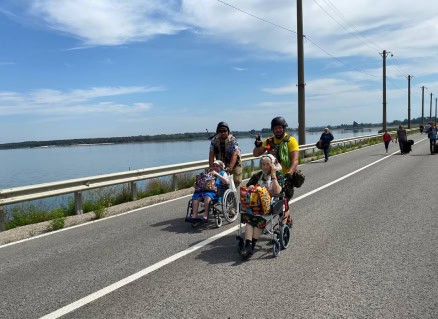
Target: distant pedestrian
(386,139)
(432,133)
(421,128)
(402,138)
(429,126)
(325,139)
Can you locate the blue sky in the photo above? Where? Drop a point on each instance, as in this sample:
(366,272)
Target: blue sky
(74,69)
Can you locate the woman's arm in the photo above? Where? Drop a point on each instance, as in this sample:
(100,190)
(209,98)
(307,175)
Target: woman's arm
(223,179)
(275,187)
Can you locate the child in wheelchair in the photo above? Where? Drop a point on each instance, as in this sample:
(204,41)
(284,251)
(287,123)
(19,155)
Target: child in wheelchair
(209,187)
(271,179)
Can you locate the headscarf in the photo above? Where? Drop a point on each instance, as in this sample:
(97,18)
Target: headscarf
(220,163)
(266,178)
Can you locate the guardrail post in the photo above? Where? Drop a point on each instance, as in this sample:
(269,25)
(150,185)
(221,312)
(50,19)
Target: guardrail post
(2,219)
(78,203)
(252,166)
(133,190)
(174,184)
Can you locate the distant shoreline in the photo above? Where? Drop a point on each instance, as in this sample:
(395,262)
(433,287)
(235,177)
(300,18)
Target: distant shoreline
(162,137)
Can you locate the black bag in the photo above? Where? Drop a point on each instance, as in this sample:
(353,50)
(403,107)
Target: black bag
(298,178)
(319,145)
(406,147)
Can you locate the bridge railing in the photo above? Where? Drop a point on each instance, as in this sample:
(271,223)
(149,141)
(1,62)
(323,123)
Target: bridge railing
(78,186)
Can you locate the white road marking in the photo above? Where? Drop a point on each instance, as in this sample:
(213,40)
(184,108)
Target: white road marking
(107,290)
(100,293)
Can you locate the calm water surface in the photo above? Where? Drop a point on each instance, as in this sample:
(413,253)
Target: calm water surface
(29,166)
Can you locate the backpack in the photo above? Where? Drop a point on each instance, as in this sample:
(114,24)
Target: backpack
(281,150)
(205,182)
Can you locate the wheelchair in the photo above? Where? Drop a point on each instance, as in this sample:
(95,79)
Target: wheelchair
(279,233)
(225,206)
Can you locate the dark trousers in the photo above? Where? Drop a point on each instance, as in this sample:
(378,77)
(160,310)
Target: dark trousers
(386,145)
(326,151)
(432,146)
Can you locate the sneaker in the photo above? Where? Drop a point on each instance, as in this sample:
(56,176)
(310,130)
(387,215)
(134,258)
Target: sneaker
(204,219)
(189,218)
(325,160)
(246,251)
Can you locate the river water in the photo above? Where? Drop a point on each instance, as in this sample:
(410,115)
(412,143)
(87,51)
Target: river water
(21,167)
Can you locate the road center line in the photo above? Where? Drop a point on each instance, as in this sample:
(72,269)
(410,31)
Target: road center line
(121,283)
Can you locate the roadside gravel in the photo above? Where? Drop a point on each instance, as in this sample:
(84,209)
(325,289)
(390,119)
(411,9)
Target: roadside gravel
(28,231)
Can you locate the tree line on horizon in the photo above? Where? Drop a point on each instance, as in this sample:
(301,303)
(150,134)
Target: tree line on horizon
(182,136)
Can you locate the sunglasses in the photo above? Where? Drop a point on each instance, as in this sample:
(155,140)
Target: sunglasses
(223,131)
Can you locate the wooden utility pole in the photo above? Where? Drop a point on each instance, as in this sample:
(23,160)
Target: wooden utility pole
(435,108)
(409,101)
(422,104)
(384,54)
(301,83)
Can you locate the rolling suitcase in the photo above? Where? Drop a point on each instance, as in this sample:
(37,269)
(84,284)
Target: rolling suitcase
(407,147)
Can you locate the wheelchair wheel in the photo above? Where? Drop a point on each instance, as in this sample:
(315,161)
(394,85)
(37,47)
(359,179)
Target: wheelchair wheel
(284,236)
(275,247)
(218,221)
(229,201)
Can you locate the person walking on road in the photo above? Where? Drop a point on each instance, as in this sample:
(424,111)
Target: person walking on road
(432,133)
(402,137)
(386,139)
(224,147)
(325,139)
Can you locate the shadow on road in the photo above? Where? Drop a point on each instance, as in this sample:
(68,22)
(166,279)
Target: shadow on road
(179,226)
(225,251)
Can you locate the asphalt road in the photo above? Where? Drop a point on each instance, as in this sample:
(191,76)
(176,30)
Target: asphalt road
(364,245)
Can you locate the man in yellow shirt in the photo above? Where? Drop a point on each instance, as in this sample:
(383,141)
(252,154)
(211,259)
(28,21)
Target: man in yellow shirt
(285,148)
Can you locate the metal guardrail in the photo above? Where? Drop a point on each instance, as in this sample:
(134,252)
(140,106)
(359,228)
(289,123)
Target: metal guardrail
(77,186)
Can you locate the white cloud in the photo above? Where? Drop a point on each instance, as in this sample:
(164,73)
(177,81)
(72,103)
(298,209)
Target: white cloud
(110,22)
(376,25)
(51,102)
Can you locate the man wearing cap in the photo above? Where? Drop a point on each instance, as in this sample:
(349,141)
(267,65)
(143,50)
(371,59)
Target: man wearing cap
(224,147)
(285,148)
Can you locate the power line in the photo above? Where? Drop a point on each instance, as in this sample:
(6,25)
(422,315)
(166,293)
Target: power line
(399,70)
(393,85)
(349,24)
(374,49)
(254,16)
(281,27)
(337,59)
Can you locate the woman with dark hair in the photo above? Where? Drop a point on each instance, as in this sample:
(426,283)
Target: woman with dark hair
(224,147)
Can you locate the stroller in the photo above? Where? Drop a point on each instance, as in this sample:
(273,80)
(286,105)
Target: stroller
(279,233)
